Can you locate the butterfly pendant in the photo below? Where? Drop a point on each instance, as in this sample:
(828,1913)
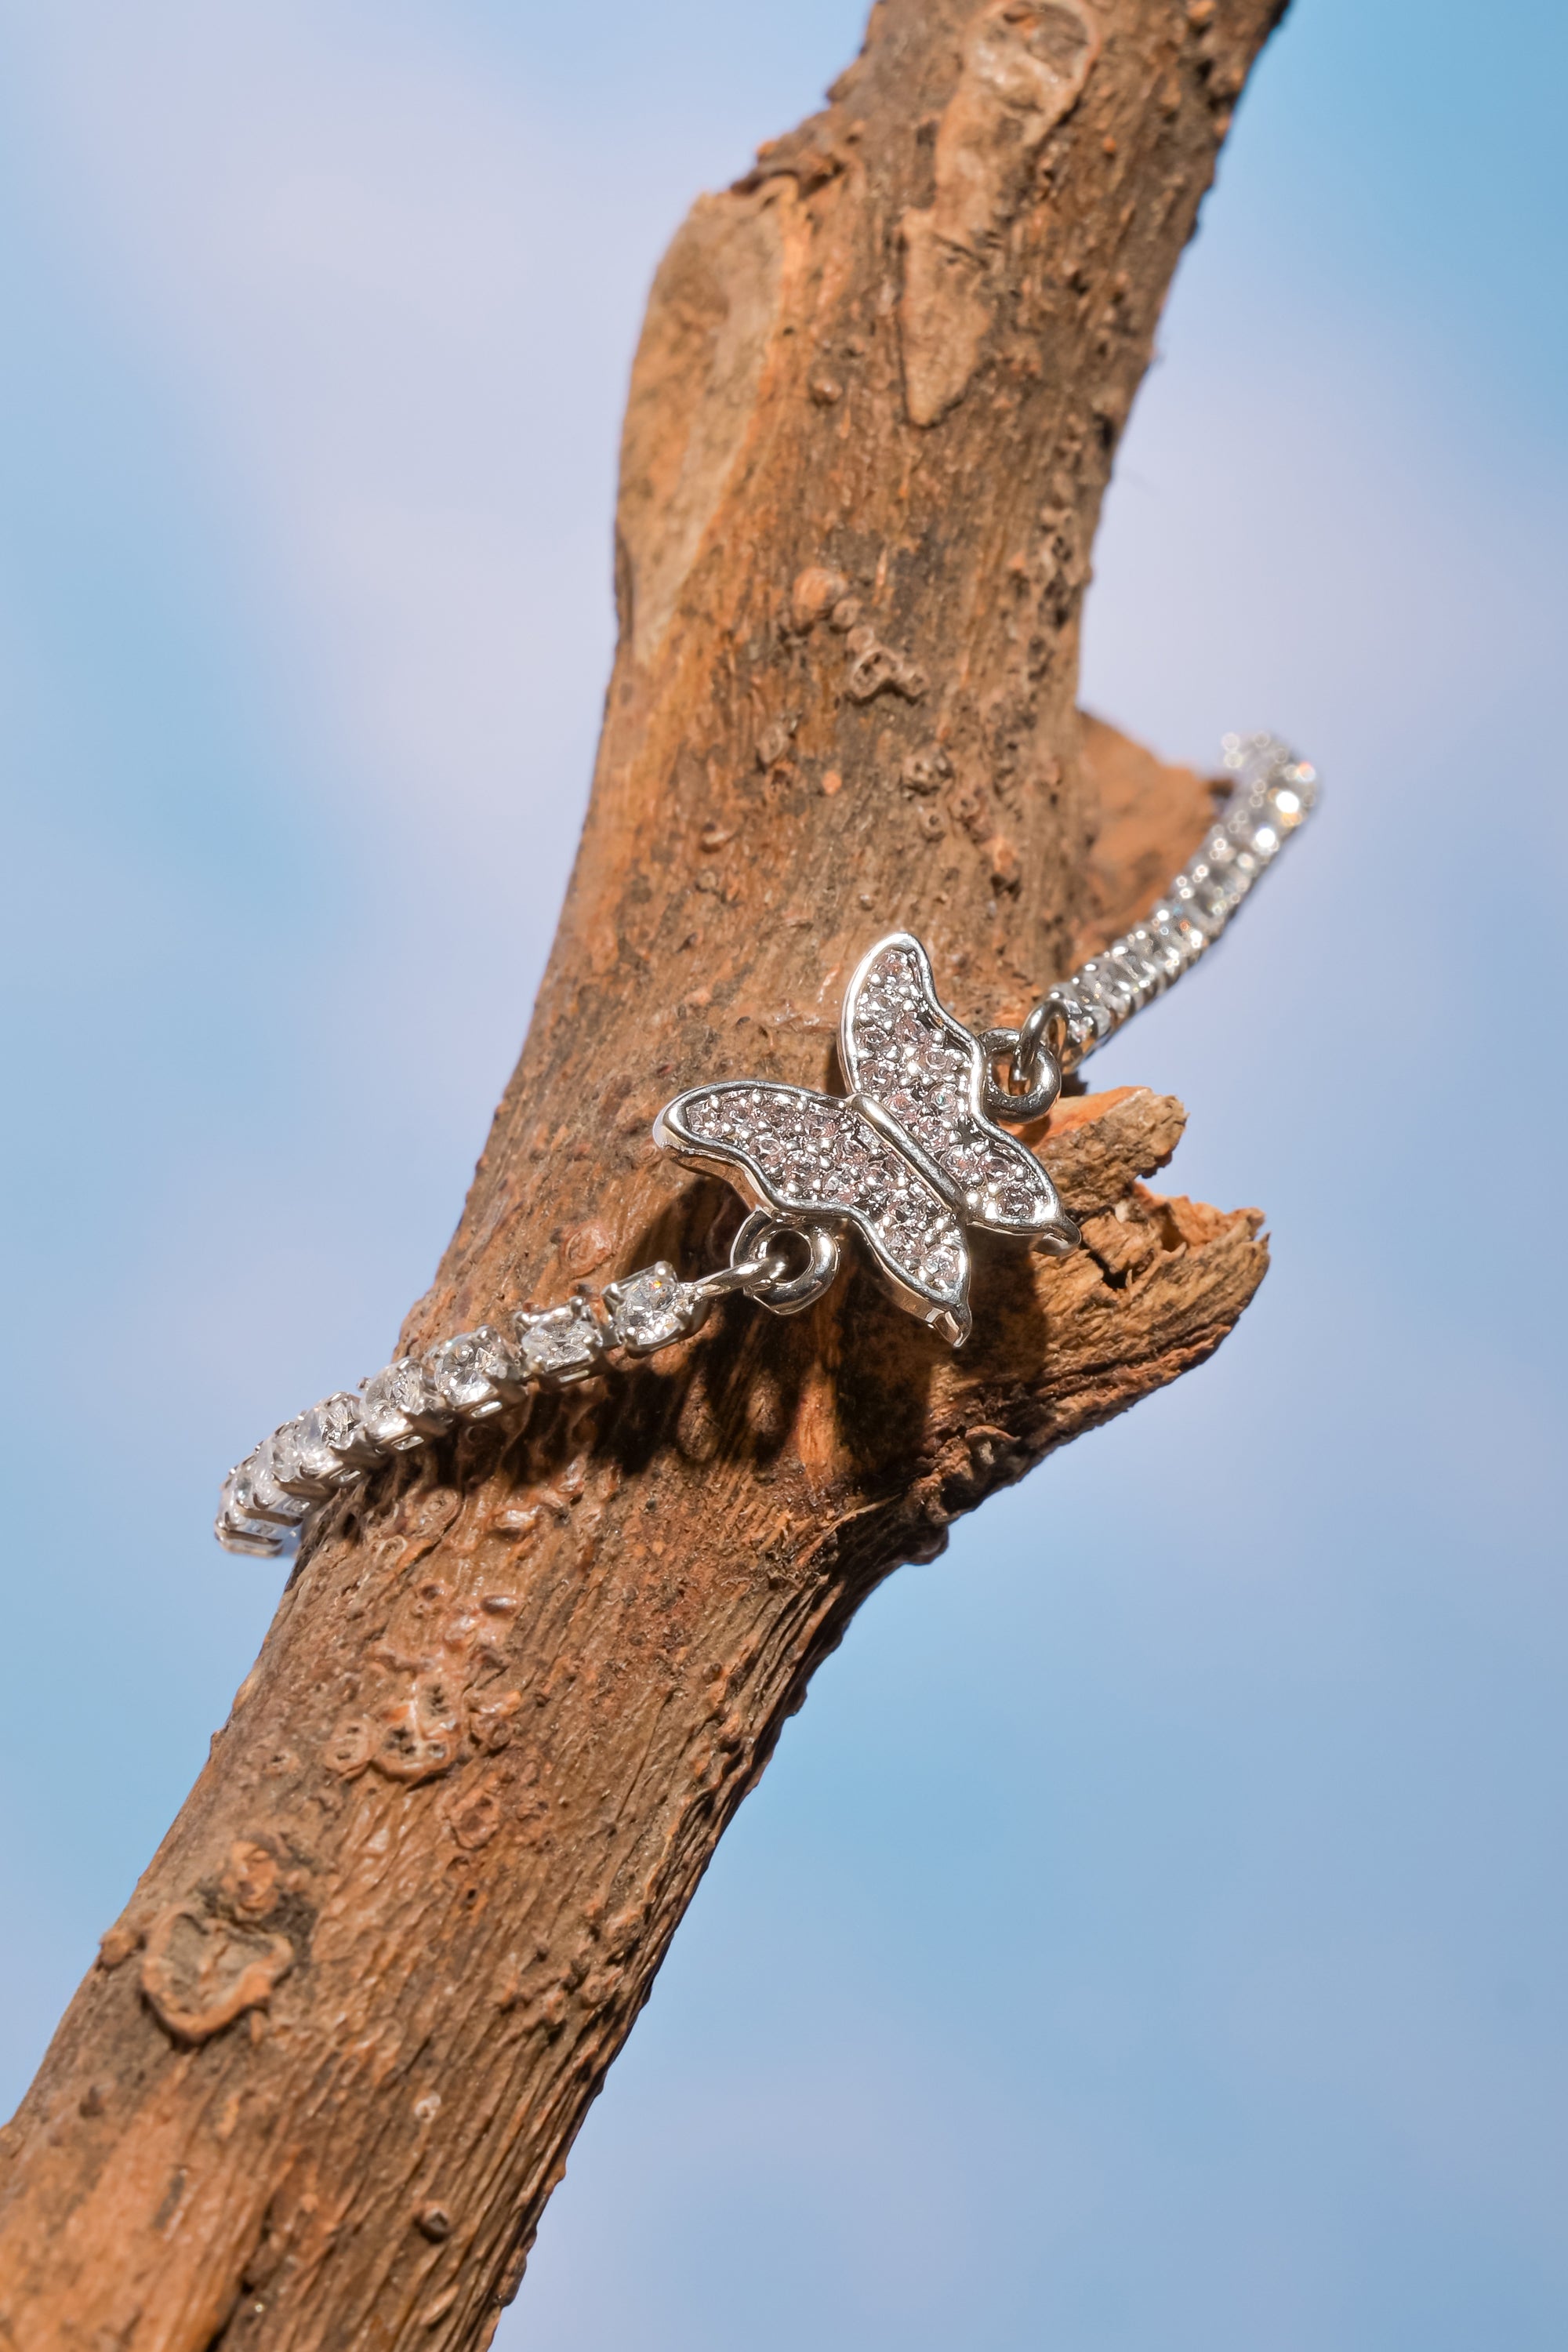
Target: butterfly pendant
(909,1159)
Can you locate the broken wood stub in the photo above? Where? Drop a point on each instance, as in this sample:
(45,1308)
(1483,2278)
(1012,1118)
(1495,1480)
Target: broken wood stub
(318,2086)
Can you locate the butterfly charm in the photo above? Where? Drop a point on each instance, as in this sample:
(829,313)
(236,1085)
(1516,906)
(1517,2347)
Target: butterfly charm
(908,1159)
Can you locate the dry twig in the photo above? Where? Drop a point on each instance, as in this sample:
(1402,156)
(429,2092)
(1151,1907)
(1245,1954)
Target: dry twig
(328,2069)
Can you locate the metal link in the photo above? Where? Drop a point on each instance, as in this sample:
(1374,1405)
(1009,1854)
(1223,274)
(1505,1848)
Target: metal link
(1274,792)
(1035,1045)
(743,1274)
(789,1293)
(1033,1068)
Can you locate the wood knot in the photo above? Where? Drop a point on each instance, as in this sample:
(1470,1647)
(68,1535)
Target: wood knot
(199,1973)
(773,743)
(473,1815)
(877,669)
(588,1246)
(250,1882)
(926,772)
(815,593)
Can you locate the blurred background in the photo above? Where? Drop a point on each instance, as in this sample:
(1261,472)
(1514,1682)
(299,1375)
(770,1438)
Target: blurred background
(1152,1936)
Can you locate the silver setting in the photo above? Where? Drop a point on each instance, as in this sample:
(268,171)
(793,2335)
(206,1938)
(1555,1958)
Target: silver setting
(302,1465)
(270,1500)
(475,1373)
(744,1272)
(1033,1067)
(1274,794)
(907,1160)
(324,1448)
(910,1160)
(400,1408)
(653,1308)
(238,1528)
(783,1292)
(560,1346)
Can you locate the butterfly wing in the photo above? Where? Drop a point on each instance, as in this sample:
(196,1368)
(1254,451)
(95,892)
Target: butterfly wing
(900,1046)
(814,1159)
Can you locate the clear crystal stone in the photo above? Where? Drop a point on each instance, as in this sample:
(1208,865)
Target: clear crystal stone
(872,1191)
(1293,791)
(399,1405)
(239,1527)
(1209,901)
(647,1311)
(1246,830)
(1088,1022)
(940,1269)
(237,1491)
(269,1498)
(473,1372)
(299,1469)
(1099,979)
(1175,933)
(340,1419)
(1015,1201)
(563,1344)
(320,1437)
(1131,956)
(1167,949)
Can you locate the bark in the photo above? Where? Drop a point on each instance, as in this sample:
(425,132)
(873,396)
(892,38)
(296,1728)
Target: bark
(327,2070)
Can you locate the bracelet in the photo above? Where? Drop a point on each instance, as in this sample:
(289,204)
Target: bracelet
(909,1160)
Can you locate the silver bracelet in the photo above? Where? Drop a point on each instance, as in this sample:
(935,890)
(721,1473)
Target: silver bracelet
(909,1159)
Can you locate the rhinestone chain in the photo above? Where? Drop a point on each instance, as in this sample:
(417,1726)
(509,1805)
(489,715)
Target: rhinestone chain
(267,1498)
(1274,792)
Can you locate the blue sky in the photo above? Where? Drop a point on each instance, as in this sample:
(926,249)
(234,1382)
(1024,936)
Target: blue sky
(1151,1933)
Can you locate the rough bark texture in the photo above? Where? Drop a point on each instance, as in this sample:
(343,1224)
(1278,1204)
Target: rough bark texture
(322,2080)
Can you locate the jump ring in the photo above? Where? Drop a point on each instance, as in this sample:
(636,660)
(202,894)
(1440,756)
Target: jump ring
(787,1294)
(1030,1061)
(1047,1021)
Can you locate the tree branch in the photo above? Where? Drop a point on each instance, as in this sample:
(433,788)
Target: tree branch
(321,2082)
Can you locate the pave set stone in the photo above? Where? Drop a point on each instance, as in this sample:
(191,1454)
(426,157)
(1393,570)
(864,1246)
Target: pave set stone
(817,1153)
(814,1151)
(910,1062)
(927,1075)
